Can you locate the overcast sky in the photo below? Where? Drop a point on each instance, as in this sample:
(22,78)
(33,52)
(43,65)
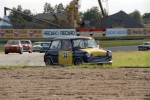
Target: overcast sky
(114,6)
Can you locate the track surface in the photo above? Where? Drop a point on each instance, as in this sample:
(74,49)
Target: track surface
(25,59)
(45,83)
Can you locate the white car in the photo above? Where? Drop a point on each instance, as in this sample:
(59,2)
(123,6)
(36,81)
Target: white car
(144,46)
(37,46)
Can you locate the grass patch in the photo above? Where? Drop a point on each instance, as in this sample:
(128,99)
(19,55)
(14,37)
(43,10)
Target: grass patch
(122,42)
(134,58)
(10,67)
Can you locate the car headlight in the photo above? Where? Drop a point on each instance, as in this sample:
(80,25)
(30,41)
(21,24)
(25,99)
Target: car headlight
(109,53)
(88,55)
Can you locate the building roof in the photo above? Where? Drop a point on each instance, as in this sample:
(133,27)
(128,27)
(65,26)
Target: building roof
(122,17)
(3,24)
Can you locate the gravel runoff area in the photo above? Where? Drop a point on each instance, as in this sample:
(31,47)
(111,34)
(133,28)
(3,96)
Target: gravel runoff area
(45,83)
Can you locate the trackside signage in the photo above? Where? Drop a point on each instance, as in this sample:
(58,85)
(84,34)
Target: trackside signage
(115,32)
(51,33)
(138,31)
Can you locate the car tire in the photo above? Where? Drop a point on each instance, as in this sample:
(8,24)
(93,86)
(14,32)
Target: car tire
(6,52)
(21,52)
(78,62)
(48,62)
(30,51)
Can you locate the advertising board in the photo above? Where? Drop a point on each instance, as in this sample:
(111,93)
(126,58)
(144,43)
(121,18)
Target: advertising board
(115,32)
(6,33)
(21,33)
(138,31)
(35,33)
(51,33)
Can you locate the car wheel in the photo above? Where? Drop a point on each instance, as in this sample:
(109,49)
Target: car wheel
(21,52)
(78,62)
(30,51)
(48,62)
(6,52)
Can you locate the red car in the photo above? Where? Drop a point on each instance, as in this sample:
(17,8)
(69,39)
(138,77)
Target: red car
(27,46)
(13,46)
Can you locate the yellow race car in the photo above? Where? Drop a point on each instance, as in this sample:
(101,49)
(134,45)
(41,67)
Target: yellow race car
(76,50)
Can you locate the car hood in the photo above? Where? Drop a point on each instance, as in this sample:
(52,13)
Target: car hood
(11,45)
(142,45)
(25,44)
(36,46)
(95,51)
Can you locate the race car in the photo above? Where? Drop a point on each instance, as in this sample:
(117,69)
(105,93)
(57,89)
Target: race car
(76,50)
(44,47)
(27,46)
(13,46)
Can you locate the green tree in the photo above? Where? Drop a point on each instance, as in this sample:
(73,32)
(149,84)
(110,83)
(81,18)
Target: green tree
(18,16)
(136,15)
(55,8)
(92,13)
(48,8)
(28,12)
(146,15)
(60,8)
(19,8)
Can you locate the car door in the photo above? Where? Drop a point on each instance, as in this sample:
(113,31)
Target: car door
(65,54)
(54,50)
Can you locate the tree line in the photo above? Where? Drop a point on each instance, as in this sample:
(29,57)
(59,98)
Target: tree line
(89,14)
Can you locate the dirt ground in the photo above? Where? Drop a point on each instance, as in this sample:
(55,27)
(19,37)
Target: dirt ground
(45,83)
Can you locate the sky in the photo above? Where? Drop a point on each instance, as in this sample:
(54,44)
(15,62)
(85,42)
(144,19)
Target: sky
(114,6)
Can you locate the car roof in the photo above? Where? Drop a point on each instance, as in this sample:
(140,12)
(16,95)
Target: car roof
(42,42)
(73,37)
(25,40)
(146,42)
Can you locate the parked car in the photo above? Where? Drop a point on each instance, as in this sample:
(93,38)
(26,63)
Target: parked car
(44,46)
(27,45)
(37,46)
(76,50)
(13,46)
(144,46)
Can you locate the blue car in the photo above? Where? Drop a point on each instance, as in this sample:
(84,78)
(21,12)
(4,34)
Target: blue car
(44,47)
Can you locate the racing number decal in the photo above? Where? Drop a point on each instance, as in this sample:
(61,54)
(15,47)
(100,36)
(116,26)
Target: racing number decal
(64,55)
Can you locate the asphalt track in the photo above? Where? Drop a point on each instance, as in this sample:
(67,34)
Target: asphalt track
(36,58)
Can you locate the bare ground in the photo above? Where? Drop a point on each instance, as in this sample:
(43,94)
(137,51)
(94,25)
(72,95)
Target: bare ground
(45,83)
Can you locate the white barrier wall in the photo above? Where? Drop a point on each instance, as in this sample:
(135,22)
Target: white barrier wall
(115,32)
(51,33)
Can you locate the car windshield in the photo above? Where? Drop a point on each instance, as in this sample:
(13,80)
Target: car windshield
(44,44)
(84,43)
(37,43)
(13,42)
(145,43)
(25,42)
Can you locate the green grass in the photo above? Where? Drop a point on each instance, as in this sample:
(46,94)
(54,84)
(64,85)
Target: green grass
(122,42)
(134,58)
(120,60)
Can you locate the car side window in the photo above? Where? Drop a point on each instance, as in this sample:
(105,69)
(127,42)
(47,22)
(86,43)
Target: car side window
(55,45)
(66,45)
